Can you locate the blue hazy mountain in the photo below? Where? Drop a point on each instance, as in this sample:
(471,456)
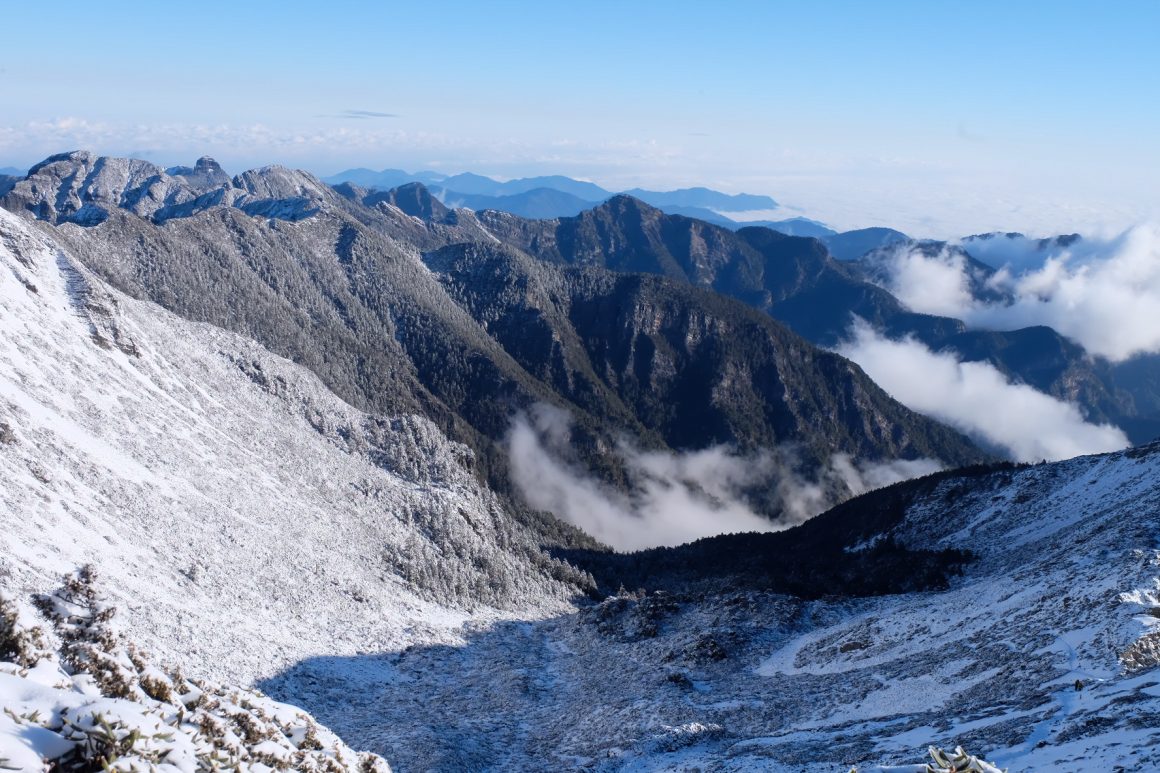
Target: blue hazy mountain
(470,184)
(703,197)
(385,179)
(851,245)
(579,188)
(536,204)
(9,176)
(701,213)
(797,226)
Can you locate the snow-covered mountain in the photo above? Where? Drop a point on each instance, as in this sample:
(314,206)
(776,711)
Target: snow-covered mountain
(211,481)
(254,528)
(80,187)
(347,290)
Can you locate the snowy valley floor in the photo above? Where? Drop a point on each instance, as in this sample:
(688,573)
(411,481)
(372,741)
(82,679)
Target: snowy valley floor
(1065,583)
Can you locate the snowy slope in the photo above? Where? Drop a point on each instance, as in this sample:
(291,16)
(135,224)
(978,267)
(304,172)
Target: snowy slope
(76,695)
(242,516)
(1066,587)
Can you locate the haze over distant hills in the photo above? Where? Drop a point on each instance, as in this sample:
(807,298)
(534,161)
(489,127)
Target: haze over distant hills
(478,185)
(555,196)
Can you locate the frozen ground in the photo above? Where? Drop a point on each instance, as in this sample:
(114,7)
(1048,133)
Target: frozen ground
(1065,589)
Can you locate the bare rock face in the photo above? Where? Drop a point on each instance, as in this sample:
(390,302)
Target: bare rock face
(205,174)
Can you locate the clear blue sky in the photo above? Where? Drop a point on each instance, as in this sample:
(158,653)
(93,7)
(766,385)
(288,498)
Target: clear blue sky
(997,109)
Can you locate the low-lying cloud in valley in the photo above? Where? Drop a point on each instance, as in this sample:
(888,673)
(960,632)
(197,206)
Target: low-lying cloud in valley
(1101,293)
(978,400)
(681,497)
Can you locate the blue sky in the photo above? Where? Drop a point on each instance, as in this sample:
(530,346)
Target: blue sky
(937,116)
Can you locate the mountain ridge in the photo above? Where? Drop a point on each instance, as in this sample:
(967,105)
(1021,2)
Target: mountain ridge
(335,279)
(468,184)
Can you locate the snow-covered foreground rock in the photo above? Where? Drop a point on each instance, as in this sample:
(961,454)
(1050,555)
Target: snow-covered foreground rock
(242,517)
(77,696)
(1042,653)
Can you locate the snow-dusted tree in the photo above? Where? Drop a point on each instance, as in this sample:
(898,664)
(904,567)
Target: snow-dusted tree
(94,702)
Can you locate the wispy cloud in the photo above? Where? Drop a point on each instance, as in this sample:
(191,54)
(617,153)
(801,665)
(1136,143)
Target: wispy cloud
(365,114)
(1101,293)
(680,497)
(329,144)
(978,400)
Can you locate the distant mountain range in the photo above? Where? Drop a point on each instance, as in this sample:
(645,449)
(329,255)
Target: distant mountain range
(814,285)
(468,184)
(556,196)
(798,281)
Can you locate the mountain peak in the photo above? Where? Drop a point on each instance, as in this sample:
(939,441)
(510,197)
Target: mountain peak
(277,181)
(413,199)
(205,175)
(83,188)
(72,156)
(623,202)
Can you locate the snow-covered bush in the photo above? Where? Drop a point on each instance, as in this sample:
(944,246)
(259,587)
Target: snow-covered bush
(83,698)
(942,762)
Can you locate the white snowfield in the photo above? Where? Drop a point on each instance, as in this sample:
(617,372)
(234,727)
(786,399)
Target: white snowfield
(241,516)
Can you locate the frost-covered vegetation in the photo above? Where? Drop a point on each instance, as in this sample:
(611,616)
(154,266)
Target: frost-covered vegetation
(77,696)
(209,480)
(726,675)
(957,761)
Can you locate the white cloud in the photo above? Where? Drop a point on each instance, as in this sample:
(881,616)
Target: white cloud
(1101,293)
(934,284)
(979,400)
(680,497)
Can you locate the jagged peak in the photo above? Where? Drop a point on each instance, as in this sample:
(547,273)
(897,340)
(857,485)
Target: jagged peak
(623,205)
(623,201)
(84,188)
(73,156)
(277,181)
(413,199)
